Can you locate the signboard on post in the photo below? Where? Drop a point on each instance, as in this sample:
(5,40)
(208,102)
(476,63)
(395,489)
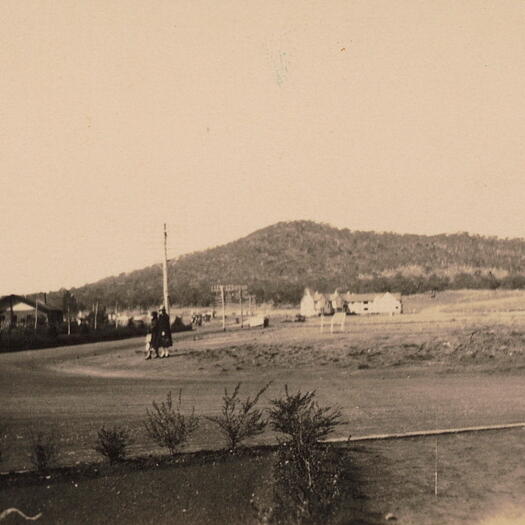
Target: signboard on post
(232,289)
(229,287)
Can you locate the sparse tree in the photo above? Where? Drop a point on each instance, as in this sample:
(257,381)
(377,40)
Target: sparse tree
(69,307)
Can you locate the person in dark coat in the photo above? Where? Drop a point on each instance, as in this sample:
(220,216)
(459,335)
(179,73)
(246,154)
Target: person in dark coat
(165,340)
(154,336)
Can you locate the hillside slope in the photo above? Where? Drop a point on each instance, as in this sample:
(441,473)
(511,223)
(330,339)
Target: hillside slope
(277,262)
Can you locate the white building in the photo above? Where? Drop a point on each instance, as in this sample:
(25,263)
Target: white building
(388,304)
(308,304)
(313,304)
(362,304)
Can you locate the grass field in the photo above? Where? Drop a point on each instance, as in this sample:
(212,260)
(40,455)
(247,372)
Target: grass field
(479,481)
(456,360)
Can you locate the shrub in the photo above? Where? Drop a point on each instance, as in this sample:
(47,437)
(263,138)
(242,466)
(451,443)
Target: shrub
(168,427)
(307,473)
(240,420)
(113,443)
(306,486)
(301,419)
(43,451)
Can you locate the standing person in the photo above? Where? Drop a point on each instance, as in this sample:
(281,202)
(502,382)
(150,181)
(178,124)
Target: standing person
(165,341)
(154,336)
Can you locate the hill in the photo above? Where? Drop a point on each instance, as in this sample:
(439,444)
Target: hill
(279,261)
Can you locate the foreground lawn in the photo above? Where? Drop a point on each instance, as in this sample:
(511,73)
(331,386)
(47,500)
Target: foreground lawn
(480,480)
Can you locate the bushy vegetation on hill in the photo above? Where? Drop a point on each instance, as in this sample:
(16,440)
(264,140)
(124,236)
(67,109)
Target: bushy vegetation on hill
(279,261)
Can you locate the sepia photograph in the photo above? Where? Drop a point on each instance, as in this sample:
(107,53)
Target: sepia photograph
(262,262)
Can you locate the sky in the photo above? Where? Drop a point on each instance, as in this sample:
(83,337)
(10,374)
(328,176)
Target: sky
(221,118)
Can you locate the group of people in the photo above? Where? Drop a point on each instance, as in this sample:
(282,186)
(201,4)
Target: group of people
(158,341)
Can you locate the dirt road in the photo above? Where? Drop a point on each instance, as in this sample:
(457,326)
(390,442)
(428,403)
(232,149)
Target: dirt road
(76,389)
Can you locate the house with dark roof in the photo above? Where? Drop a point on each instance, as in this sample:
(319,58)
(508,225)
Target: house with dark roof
(17,309)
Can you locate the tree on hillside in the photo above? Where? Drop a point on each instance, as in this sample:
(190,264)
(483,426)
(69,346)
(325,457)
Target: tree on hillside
(278,262)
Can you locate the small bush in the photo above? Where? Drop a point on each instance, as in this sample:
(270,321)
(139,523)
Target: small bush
(240,420)
(307,473)
(168,427)
(43,451)
(301,419)
(113,443)
(307,486)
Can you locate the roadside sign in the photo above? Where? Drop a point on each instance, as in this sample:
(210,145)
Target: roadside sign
(232,289)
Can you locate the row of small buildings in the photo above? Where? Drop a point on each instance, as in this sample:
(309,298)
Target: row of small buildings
(19,310)
(316,303)
(16,309)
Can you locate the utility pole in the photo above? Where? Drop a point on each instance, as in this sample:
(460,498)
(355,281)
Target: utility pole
(11,314)
(251,303)
(223,309)
(36,314)
(96,313)
(165,273)
(436,459)
(240,301)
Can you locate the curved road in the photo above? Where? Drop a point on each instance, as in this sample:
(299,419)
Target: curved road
(76,389)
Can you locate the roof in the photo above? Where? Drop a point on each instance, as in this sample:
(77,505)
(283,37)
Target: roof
(337,298)
(7,300)
(360,297)
(394,295)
